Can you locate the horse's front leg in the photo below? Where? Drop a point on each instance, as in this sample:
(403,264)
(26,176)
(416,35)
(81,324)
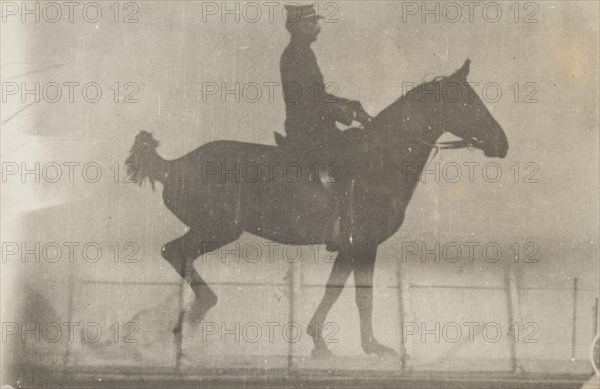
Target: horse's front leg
(364,266)
(342,267)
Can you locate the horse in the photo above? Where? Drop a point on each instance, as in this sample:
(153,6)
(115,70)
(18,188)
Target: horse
(225,188)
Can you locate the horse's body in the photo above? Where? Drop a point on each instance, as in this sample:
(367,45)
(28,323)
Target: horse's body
(225,188)
(265,191)
(230,192)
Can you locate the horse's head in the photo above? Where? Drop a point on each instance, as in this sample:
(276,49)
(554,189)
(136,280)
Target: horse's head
(140,161)
(467,117)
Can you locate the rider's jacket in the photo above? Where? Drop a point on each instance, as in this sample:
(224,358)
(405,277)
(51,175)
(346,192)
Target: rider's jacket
(310,110)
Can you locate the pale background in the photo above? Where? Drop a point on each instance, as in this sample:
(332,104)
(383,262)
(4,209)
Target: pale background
(369,53)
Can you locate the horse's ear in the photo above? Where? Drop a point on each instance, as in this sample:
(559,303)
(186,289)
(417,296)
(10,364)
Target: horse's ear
(464,71)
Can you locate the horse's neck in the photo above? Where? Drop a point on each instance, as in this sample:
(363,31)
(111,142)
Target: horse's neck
(408,148)
(409,145)
(410,160)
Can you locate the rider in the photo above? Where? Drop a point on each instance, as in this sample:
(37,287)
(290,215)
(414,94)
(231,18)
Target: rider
(311,112)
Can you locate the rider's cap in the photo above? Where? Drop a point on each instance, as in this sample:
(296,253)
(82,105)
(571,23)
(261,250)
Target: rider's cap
(296,13)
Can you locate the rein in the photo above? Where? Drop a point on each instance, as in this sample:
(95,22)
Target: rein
(450,145)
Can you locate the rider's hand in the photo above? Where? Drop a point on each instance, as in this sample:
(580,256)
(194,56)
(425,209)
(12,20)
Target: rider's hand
(348,115)
(361,115)
(356,105)
(363,118)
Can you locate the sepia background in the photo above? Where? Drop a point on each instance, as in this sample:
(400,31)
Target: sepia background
(372,51)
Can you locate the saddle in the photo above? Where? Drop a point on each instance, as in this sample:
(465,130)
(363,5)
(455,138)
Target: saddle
(340,194)
(328,170)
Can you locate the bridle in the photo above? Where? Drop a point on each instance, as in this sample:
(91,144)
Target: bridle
(470,144)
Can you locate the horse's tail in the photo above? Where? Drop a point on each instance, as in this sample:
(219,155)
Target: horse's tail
(144,162)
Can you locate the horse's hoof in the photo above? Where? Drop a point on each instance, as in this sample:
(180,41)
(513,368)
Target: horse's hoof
(321,352)
(383,352)
(177,329)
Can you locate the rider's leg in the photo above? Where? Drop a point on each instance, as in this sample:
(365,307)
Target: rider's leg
(343,192)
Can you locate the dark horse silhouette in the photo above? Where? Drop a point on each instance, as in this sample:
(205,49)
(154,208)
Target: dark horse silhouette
(217,203)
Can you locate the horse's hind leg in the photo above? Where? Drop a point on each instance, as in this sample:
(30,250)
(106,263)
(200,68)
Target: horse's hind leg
(181,253)
(342,267)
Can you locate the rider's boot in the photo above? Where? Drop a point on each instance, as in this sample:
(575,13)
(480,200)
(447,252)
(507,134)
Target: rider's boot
(343,220)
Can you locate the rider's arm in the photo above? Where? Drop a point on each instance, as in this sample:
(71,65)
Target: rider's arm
(304,86)
(339,110)
(328,105)
(337,107)
(351,109)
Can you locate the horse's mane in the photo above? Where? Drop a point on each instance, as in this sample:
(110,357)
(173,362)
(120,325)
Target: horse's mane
(419,87)
(396,108)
